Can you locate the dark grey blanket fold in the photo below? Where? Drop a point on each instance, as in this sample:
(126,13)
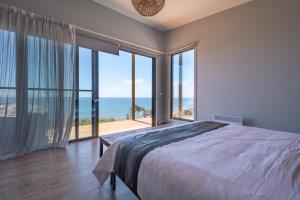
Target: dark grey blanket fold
(132,150)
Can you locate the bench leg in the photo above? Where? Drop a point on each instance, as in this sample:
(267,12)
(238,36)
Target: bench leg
(113,180)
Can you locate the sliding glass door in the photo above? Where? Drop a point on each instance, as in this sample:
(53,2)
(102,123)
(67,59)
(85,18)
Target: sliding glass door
(115,93)
(82,125)
(183,72)
(85,93)
(125,92)
(143,89)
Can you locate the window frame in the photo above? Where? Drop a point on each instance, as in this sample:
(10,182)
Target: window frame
(95,92)
(94,114)
(153,85)
(195,84)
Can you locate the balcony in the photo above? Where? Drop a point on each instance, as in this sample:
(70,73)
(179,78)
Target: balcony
(85,131)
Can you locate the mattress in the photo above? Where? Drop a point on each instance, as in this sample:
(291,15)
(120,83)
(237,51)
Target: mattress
(230,162)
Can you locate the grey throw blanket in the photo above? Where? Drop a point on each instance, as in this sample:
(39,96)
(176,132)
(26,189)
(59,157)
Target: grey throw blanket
(132,150)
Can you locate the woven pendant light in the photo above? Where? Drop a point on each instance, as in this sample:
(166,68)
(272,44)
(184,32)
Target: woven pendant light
(148,7)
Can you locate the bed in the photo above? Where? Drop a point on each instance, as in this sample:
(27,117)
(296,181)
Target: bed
(206,160)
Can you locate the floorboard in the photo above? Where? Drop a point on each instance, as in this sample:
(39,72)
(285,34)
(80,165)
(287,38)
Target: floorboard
(58,174)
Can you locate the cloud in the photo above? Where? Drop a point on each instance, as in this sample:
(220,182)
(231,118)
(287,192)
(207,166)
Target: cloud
(128,82)
(137,81)
(117,88)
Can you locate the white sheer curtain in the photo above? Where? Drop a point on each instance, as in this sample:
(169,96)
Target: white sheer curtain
(37,82)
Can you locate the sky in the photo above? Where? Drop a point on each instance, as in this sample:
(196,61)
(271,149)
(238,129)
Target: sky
(115,73)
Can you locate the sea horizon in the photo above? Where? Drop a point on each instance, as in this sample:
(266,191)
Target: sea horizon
(118,108)
(114,108)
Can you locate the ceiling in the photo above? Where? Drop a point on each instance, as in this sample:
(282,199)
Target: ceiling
(175,12)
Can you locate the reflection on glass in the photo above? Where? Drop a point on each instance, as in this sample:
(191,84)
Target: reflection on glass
(7,59)
(143,88)
(183,85)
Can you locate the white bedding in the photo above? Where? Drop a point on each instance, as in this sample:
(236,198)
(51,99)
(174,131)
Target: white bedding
(233,162)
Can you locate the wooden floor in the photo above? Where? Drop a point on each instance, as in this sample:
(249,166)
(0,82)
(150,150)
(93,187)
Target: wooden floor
(58,174)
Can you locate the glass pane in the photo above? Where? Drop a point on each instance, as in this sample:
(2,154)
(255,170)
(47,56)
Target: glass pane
(115,89)
(7,103)
(175,77)
(85,69)
(7,118)
(143,89)
(69,67)
(114,86)
(43,67)
(183,85)
(7,59)
(7,91)
(85,114)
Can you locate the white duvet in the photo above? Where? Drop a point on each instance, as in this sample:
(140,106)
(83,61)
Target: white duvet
(233,162)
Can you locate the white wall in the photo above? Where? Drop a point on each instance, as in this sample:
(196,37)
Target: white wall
(93,16)
(248,63)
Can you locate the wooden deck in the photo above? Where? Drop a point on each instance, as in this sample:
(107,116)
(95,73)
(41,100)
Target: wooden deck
(112,127)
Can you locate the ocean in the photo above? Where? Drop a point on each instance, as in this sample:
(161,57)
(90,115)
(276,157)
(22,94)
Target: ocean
(112,107)
(118,108)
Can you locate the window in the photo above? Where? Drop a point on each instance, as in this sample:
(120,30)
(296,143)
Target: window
(143,89)
(115,72)
(114,93)
(35,77)
(125,92)
(183,71)
(7,81)
(83,114)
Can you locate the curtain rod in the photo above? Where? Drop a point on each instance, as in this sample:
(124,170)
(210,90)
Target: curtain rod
(121,42)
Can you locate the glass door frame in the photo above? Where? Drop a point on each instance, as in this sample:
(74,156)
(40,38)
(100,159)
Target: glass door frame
(95,93)
(133,65)
(195,84)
